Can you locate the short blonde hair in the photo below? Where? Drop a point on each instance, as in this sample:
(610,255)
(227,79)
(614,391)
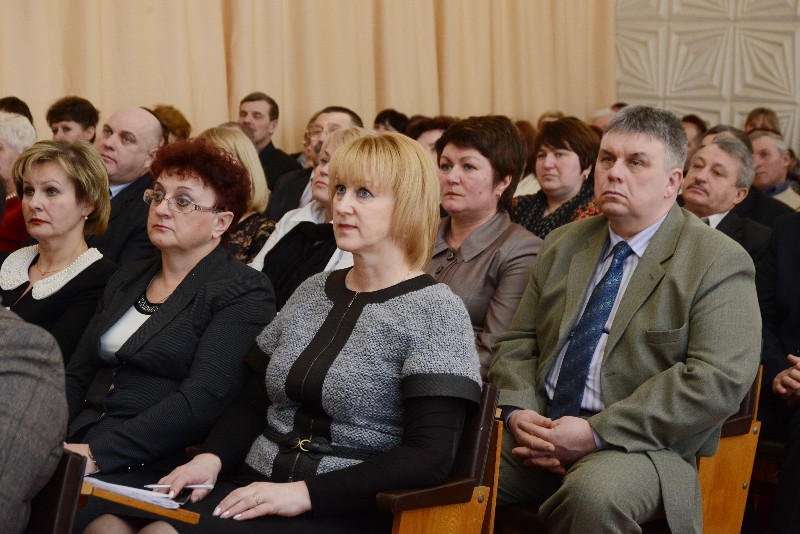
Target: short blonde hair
(398,163)
(341,137)
(82,164)
(239,146)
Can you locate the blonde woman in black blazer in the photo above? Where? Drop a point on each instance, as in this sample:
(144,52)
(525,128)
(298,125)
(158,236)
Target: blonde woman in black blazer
(163,356)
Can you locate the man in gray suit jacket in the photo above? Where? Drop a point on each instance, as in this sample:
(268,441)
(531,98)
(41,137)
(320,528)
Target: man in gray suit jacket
(669,363)
(33,415)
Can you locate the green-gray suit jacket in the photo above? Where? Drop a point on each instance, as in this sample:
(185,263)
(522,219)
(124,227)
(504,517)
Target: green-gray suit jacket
(682,351)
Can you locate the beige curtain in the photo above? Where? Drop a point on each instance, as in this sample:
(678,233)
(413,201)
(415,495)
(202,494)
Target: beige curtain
(458,57)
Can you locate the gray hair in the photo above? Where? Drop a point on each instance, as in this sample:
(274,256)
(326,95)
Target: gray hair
(739,151)
(17,131)
(659,124)
(780,142)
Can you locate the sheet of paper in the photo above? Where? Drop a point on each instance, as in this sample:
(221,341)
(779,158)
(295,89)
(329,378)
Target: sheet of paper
(144,495)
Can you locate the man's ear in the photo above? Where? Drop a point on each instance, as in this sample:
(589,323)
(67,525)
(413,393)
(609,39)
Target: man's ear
(674,181)
(273,125)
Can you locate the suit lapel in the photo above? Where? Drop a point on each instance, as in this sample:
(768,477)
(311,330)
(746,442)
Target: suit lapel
(647,275)
(181,298)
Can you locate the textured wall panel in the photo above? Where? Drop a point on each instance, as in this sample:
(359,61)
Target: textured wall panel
(716,58)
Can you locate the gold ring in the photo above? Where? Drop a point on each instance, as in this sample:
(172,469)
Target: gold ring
(257,499)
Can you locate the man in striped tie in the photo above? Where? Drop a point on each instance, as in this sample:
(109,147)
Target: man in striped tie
(637,336)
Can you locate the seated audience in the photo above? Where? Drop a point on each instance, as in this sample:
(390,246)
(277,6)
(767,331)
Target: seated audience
(719,178)
(756,205)
(566,151)
(127,145)
(16,135)
(772,159)
(73,118)
(779,291)
(484,257)
(376,362)
(528,184)
(600,119)
(303,243)
(694,127)
(550,115)
(250,233)
(12,104)
(259,112)
(762,119)
(637,336)
(33,415)
(390,120)
(178,127)
(427,130)
(164,355)
(56,283)
(306,156)
(293,189)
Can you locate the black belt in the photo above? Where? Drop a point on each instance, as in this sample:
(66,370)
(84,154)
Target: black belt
(314,446)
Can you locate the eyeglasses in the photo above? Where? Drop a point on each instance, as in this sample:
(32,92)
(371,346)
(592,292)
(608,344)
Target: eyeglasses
(176,204)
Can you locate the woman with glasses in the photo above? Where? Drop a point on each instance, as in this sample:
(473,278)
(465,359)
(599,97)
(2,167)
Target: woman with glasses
(56,283)
(163,356)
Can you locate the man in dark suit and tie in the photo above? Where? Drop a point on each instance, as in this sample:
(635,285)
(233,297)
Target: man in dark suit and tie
(779,290)
(127,144)
(719,178)
(628,350)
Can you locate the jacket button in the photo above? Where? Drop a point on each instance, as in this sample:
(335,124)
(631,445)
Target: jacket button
(111,388)
(451,256)
(439,269)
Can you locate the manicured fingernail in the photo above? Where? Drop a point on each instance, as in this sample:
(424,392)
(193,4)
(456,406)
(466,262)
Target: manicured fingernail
(237,516)
(225,513)
(216,511)
(171,493)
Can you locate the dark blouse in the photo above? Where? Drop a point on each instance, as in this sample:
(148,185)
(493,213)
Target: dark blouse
(249,237)
(528,210)
(66,312)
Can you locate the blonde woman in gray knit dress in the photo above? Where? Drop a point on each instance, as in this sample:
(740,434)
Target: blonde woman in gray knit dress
(361,384)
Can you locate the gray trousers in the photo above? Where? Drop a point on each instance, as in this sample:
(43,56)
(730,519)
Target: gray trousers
(606,491)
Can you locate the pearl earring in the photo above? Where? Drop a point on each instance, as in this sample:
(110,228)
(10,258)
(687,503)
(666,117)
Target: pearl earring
(85,217)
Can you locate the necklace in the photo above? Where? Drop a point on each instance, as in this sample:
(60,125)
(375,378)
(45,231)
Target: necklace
(10,196)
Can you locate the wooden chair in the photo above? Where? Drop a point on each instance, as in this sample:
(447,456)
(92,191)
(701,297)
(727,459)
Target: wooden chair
(724,480)
(53,509)
(464,503)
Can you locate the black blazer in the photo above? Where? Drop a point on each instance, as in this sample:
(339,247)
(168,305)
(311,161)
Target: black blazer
(125,240)
(177,373)
(761,208)
(753,236)
(288,190)
(779,293)
(276,163)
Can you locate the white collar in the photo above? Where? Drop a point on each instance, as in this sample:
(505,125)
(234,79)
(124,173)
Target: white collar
(14,271)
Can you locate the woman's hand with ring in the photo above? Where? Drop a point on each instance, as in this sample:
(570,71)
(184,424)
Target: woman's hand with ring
(265,498)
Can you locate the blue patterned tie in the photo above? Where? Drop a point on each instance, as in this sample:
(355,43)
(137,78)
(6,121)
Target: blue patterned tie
(586,334)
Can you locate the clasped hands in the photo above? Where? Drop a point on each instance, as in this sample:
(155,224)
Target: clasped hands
(550,445)
(786,384)
(257,499)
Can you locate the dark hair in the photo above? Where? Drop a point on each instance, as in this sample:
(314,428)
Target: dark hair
(395,119)
(765,113)
(12,104)
(76,109)
(696,121)
(735,132)
(420,125)
(340,109)
(571,133)
(258,96)
(498,140)
(214,166)
(528,133)
(174,120)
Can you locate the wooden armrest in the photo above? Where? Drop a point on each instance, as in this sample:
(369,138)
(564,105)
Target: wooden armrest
(450,492)
(181,515)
